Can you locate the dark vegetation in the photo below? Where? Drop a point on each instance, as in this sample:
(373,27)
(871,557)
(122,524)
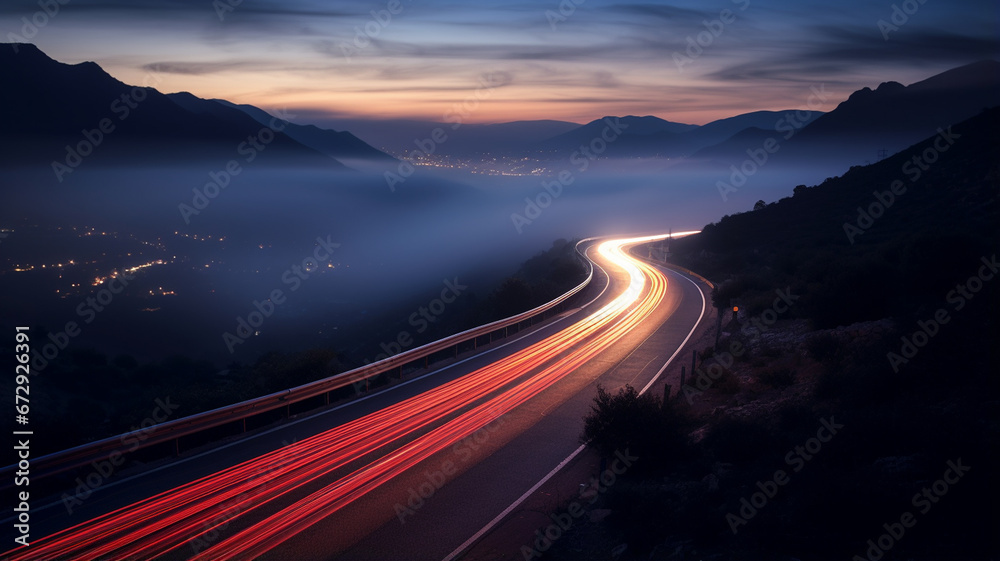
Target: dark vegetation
(87,395)
(827,359)
(909,256)
(641,424)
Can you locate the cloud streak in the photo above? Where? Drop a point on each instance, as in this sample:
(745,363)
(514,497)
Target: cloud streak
(603,57)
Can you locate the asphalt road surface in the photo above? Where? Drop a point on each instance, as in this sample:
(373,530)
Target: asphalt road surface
(446,465)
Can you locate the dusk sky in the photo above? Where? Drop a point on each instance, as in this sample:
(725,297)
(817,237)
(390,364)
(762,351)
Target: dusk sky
(603,58)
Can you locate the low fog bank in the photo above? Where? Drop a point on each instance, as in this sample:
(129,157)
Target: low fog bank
(375,248)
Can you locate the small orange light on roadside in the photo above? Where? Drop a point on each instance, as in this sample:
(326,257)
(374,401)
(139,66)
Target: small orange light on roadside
(736,309)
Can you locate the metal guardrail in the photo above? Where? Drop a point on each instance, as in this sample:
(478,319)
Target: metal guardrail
(127,443)
(666,263)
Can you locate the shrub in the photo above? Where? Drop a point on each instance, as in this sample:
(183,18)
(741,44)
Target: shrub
(777,377)
(638,423)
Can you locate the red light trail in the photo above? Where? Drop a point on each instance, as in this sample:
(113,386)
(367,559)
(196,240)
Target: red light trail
(400,436)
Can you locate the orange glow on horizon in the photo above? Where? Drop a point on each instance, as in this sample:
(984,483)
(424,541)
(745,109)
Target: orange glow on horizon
(467,102)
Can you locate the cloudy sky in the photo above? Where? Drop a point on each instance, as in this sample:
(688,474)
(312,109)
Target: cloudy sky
(499,61)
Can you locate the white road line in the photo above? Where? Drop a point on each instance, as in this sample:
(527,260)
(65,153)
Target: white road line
(690,333)
(243,440)
(461,549)
(643,369)
(489,526)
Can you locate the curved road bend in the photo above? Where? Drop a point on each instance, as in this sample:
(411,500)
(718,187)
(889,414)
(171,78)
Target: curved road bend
(510,457)
(351,472)
(50,515)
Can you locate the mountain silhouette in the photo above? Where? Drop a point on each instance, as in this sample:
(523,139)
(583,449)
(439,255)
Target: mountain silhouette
(916,110)
(650,129)
(336,144)
(651,137)
(50,109)
(890,118)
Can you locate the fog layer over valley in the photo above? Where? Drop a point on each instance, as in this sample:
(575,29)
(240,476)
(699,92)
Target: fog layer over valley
(204,260)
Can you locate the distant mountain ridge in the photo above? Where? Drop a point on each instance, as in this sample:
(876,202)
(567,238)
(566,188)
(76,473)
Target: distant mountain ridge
(58,114)
(336,144)
(631,125)
(888,118)
(941,100)
(652,137)
(466,140)
(49,107)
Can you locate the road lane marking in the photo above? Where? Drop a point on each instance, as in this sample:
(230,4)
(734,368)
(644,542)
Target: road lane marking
(248,438)
(460,550)
(690,333)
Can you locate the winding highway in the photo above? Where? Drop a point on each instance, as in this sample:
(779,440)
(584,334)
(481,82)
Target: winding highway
(422,470)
